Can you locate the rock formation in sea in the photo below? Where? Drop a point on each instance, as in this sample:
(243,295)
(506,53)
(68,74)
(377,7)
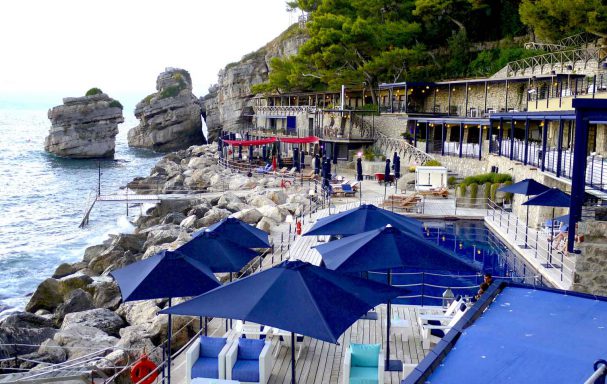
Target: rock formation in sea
(228,102)
(84,127)
(169,119)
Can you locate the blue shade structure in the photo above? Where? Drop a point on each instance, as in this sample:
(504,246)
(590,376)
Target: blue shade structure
(383,249)
(240,233)
(386,177)
(218,253)
(302,160)
(527,187)
(296,159)
(294,296)
(361,219)
(167,274)
(359,178)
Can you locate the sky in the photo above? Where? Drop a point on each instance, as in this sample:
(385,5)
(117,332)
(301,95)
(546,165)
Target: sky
(58,48)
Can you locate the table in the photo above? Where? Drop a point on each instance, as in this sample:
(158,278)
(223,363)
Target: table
(204,380)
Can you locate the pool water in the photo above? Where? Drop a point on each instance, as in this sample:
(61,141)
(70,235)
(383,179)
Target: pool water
(470,240)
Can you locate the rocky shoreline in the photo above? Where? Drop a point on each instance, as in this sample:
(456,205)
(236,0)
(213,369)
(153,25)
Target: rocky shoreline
(79,309)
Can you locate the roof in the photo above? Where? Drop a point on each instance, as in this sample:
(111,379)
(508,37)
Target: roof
(541,115)
(521,334)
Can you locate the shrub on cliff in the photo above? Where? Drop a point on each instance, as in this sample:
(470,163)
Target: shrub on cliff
(93,91)
(115,104)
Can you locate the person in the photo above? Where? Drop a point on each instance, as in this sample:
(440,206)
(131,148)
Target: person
(488,279)
(482,289)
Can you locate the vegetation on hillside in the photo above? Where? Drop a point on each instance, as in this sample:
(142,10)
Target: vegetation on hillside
(362,43)
(93,91)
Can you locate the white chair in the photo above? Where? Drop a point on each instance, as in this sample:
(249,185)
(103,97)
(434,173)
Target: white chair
(363,363)
(208,361)
(432,330)
(450,309)
(251,329)
(285,337)
(249,361)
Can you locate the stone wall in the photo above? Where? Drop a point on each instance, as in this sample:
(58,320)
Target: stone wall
(590,267)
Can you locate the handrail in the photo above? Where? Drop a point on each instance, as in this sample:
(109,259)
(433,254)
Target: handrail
(600,370)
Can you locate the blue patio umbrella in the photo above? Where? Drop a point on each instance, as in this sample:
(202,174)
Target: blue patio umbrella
(363,218)
(250,153)
(394,160)
(359,178)
(383,249)
(335,152)
(167,274)
(264,153)
(303,160)
(294,296)
(240,233)
(386,177)
(240,152)
(554,198)
(218,253)
(296,159)
(396,174)
(278,156)
(316,164)
(527,187)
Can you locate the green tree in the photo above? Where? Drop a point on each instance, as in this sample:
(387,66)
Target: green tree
(552,20)
(456,11)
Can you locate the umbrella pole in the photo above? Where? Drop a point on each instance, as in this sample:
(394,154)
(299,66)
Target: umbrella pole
(293,341)
(360,193)
(391,365)
(527,225)
(169,331)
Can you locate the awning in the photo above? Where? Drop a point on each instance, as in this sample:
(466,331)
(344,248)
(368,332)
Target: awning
(246,143)
(300,140)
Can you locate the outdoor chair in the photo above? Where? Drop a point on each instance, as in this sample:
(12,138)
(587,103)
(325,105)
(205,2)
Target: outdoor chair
(347,190)
(265,169)
(308,175)
(251,329)
(282,171)
(363,364)
(249,361)
(206,358)
(450,309)
(433,330)
(285,337)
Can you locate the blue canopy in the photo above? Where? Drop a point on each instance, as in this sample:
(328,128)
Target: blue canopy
(296,159)
(359,169)
(527,187)
(240,233)
(397,167)
(387,171)
(166,274)
(316,165)
(294,296)
(302,160)
(562,219)
(218,253)
(240,152)
(264,153)
(361,219)
(386,248)
(553,197)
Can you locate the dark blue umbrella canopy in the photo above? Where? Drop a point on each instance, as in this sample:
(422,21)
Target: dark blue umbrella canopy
(296,159)
(527,187)
(335,152)
(218,253)
(278,156)
(302,161)
(167,274)
(387,171)
(328,170)
(359,169)
(362,219)
(553,197)
(250,153)
(264,153)
(316,165)
(394,160)
(240,233)
(293,296)
(240,152)
(397,167)
(386,248)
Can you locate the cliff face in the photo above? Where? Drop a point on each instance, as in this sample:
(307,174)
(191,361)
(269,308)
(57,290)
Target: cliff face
(170,118)
(84,127)
(229,100)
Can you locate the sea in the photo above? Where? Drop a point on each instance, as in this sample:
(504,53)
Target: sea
(43,199)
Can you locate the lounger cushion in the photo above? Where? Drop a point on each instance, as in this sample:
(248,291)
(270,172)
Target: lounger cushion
(249,349)
(363,375)
(211,346)
(246,370)
(365,355)
(206,367)
(437,332)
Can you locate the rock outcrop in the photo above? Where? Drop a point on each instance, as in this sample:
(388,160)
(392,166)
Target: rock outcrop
(229,101)
(84,127)
(170,118)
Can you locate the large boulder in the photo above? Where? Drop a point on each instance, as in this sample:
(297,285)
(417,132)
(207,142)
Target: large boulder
(213,216)
(26,320)
(80,340)
(76,301)
(100,318)
(277,214)
(227,199)
(63,270)
(106,295)
(84,127)
(249,216)
(16,340)
(170,118)
(139,312)
(266,224)
(261,201)
(46,296)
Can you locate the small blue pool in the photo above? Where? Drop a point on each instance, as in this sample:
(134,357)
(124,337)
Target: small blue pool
(470,240)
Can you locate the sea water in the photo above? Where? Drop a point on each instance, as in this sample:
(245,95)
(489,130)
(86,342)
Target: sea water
(43,198)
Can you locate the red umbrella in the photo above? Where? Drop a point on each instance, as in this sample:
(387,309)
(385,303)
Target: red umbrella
(273,163)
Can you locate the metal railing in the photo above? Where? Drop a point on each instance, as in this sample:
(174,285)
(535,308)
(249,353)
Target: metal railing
(534,243)
(552,59)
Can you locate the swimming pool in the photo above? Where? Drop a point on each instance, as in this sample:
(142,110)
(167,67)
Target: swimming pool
(470,240)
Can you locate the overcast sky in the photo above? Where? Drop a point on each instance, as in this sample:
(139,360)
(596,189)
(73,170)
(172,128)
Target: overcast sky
(64,47)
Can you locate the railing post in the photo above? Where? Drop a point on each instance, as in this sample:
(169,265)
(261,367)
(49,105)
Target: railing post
(423,286)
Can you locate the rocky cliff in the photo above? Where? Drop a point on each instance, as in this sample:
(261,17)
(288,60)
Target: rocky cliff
(227,102)
(84,127)
(170,118)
